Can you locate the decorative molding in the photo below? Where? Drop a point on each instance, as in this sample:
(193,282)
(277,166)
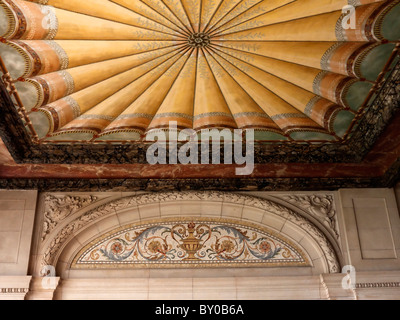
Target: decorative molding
(325,60)
(223,184)
(59,207)
(53,247)
(14,290)
(378,113)
(320,206)
(369,285)
(14,287)
(95,116)
(62,55)
(70,83)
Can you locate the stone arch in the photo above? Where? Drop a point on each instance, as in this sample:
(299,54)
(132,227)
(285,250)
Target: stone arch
(65,240)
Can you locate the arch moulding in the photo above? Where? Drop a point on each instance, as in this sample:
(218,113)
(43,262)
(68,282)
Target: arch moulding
(71,223)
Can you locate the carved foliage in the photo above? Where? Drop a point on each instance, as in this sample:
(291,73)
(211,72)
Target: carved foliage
(59,207)
(320,206)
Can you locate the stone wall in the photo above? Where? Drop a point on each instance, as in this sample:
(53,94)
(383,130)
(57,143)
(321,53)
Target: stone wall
(371,226)
(17,213)
(350,238)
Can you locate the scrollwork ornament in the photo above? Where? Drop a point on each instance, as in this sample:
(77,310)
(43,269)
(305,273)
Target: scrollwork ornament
(191,242)
(320,206)
(59,207)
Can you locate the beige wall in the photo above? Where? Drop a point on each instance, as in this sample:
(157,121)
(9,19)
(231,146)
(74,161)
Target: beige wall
(371,229)
(397,194)
(17,213)
(363,226)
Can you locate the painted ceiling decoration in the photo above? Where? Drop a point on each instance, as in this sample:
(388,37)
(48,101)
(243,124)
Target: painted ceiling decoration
(99,70)
(192,242)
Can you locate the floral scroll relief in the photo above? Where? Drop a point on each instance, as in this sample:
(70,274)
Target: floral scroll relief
(320,206)
(59,207)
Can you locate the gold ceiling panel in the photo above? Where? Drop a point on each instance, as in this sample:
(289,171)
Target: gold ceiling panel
(99,70)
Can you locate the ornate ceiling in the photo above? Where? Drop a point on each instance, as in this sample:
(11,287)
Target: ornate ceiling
(87,81)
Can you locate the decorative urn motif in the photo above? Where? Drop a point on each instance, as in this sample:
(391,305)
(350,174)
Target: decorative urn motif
(191,238)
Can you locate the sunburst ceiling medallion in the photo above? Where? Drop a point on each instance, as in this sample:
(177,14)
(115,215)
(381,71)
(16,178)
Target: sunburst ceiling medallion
(99,70)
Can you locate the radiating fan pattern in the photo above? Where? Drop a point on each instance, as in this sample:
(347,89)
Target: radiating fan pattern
(98,70)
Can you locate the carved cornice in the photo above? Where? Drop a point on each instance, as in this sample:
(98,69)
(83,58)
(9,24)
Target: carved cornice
(52,247)
(378,114)
(223,184)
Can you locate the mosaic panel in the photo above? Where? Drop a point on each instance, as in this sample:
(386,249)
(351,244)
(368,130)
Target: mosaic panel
(190,243)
